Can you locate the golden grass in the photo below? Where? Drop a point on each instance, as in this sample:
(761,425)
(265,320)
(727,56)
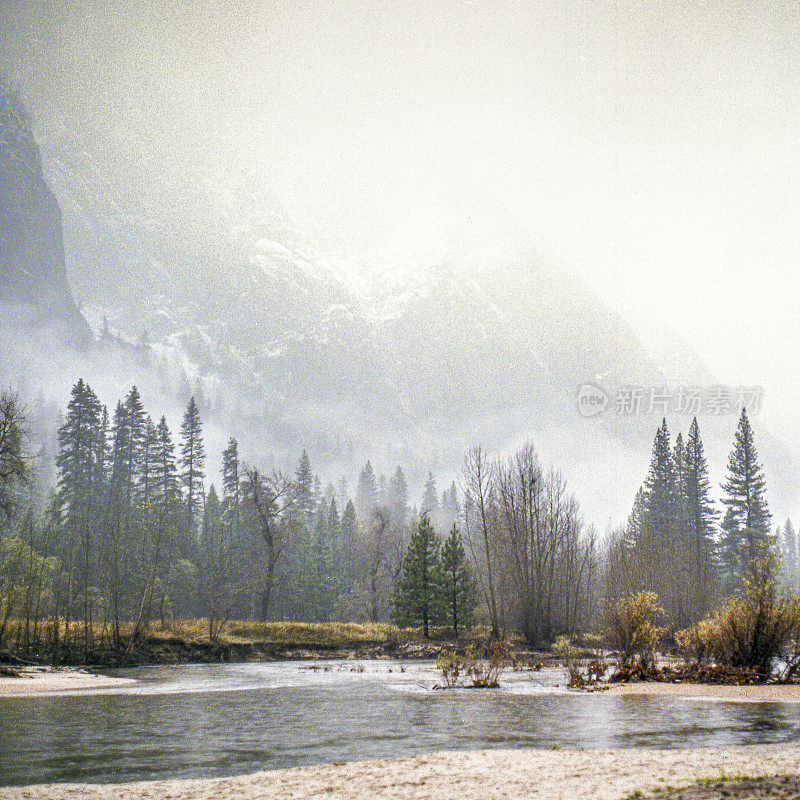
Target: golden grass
(287,634)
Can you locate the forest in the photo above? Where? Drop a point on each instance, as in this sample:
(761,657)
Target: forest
(134,532)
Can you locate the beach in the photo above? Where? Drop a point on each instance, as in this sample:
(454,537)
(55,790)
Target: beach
(509,774)
(36,680)
(760,693)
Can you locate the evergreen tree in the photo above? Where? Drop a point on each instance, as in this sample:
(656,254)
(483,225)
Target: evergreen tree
(102,457)
(349,540)
(450,504)
(231,486)
(80,453)
(150,458)
(366,493)
(136,441)
(121,477)
(418,596)
(318,496)
(660,490)
(326,583)
(397,498)
(349,524)
(304,486)
(215,555)
(653,550)
(699,513)
(430,497)
(77,497)
(790,556)
(192,461)
(165,472)
(458,586)
(746,526)
(334,523)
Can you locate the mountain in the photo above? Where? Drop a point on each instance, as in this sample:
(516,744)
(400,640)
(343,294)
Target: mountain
(195,284)
(36,295)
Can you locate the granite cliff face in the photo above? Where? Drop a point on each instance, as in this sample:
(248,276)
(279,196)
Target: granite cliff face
(34,291)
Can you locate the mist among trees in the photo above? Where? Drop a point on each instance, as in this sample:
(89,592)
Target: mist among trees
(133,531)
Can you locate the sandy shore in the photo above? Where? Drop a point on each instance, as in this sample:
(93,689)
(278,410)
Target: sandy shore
(35,680)
(508,774)
(745,694)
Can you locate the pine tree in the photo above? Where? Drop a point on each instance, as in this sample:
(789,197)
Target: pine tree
(231,486)
(304,486)
(192,461)
(150,458)
(165,473)
(746,526)
(458,586)
(790,555)
(661,501)
(652,551)
(397,499)
(135,441)
(699,512)
(77,462)
(317,496)
(102,457)
(418,596)
(80,451)
(334,523)
(215,553)
(349,540)
(430,497)
(121,477)
(335,538)
(450,503)
(366,492)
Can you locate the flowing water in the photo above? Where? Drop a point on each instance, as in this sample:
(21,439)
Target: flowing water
(226,719)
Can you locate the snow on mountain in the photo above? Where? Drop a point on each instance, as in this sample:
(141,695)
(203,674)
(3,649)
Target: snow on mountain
(378,354)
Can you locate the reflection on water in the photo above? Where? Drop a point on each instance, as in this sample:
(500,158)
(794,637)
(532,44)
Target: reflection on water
(225,719)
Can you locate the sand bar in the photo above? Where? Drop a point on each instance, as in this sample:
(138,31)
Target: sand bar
(35,680)
(769,693)
(508,774)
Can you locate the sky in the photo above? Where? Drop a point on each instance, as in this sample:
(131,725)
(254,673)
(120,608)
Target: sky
(650,147)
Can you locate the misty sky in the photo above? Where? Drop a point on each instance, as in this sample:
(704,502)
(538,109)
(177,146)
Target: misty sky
(652,147)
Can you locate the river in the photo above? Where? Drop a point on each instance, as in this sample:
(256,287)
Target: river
(226,719)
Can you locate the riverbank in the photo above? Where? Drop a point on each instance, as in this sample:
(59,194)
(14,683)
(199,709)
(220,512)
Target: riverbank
(36,680)
(187,641)
(756,693)
(511,774)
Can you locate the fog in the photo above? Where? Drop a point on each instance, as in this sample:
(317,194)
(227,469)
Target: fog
(649,148)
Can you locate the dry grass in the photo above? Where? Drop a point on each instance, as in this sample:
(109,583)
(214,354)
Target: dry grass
(286,634)
(333,634)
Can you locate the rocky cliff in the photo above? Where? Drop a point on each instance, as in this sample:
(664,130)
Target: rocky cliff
(34,291)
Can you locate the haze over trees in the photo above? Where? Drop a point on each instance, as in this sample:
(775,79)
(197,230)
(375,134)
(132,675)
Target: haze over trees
(134,531)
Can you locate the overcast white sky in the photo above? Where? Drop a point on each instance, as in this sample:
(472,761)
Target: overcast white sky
(650,146)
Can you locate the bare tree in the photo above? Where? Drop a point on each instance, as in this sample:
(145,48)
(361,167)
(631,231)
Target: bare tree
(268,498)
(13,461)
(477,476)
(546,553)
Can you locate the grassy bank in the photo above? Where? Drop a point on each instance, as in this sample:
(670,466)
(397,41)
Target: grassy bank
(185,640)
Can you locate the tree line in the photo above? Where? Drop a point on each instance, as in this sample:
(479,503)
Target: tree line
(693,553)
(133,532)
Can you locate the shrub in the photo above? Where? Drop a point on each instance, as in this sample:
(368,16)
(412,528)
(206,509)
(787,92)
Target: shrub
(689,644)
(568,654)
(634,627)
(754,630)
(483,668)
